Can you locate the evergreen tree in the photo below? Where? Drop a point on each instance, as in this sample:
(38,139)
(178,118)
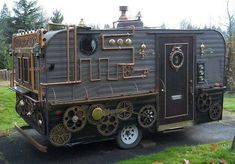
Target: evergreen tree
(27,15)
(5,36)
(57,18)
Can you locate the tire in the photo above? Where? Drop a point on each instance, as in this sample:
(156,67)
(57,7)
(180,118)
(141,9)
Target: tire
(129,136)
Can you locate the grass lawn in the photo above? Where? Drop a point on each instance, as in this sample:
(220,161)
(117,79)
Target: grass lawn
(229,103)
(8,115)
(199,154)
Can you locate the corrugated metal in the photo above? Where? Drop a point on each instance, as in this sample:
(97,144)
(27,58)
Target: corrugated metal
(56,54)
(213,57)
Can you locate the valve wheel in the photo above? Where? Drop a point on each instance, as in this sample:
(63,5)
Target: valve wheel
(204,102)
(74,118)
(147,116)
(124,110)
(59,135)
(215,112)
(90,118)
(108,125)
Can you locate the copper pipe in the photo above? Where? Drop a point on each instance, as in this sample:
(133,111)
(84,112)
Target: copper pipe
(32,71)
(75,54)
(68,55)
(54,24)
(96,99)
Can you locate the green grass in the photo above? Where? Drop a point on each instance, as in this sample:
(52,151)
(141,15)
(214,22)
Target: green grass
(229,103)
(8,115)
(199,154)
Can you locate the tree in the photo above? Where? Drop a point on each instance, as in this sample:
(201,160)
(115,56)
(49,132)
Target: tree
(3,51)
(107,26)
(6,23)
(186,25)
(230,57)
(57,18)
(163,26)
(27,15)
(5,36)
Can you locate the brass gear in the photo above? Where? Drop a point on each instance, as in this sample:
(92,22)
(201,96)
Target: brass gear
(90,118)
(108,125)
(124,110)
(74,118)
(215,112)
(203,102)
(147,116)
(127,70)
(59,135)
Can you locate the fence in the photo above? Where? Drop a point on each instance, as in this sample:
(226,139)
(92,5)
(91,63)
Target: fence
(4,74)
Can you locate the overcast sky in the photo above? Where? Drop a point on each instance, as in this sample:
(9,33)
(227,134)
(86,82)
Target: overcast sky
(154,12)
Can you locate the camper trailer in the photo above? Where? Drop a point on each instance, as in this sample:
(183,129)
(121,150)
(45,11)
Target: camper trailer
(79,85)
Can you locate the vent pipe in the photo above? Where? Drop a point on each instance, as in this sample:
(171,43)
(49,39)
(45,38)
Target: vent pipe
(123,16)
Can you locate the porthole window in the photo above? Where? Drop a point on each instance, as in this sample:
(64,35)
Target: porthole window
(88,45)
(176,58)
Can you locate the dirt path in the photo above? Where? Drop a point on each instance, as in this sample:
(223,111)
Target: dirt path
(4,83)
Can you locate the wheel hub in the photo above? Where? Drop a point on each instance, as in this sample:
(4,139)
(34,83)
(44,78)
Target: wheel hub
(129,134)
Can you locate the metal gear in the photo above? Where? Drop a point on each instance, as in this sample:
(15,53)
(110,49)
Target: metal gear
(59,135)
(29,107)
(19,107)
(40,121)
(124,110)
(215,112)
(108,125)
(74,118)
(127,70)
(204,102)
(90,118)
(147,116)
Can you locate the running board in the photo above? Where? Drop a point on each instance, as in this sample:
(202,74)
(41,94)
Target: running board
(175,126)
(31,140)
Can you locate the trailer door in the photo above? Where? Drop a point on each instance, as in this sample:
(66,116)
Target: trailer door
(176,79)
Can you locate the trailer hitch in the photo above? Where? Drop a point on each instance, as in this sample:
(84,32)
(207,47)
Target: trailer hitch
(37,145)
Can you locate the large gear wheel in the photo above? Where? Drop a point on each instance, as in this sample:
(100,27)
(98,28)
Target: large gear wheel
(90,118)
(59,135)
(29,107)
(204,102)
(74,118)
(215,112)
(147,116)
(124,110)
(108,125)
(40,121)
(19,105)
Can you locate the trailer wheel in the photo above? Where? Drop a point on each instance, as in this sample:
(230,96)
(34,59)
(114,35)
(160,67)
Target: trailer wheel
(129,136)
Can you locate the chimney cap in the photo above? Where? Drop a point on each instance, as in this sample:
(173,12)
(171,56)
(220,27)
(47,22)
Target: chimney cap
(123,10)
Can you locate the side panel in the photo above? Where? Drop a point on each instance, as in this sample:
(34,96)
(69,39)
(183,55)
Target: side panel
(112,70)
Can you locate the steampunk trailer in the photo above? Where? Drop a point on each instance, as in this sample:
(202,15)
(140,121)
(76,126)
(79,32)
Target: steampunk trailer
(79,85)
